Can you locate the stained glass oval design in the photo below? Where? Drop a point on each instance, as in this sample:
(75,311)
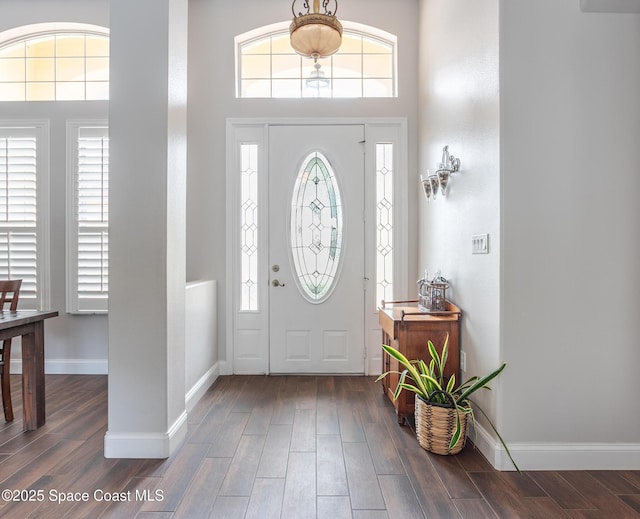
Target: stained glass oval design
(316,228)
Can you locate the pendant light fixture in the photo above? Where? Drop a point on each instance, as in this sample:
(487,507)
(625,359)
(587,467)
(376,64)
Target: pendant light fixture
(315,34)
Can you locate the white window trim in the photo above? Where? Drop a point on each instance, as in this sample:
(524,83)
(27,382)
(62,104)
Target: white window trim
(73,306)
(43,256)
(36,29)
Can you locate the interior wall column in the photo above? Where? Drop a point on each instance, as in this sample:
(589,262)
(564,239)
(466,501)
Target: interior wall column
(147,231)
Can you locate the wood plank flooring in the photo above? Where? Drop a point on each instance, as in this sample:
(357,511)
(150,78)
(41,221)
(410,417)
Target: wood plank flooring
(278,447)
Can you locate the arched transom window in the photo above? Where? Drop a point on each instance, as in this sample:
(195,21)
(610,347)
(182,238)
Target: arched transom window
(60,65)
(365,65)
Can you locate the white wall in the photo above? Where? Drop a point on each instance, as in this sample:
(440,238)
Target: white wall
(201,339)
(555,182)
(147,241)
(74,344)
(571,247)
(459,99)
(213,26)
(16,13)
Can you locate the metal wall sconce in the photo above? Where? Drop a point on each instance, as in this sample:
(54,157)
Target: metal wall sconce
(439,179)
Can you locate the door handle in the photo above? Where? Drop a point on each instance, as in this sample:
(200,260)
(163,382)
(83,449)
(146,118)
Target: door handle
(276,283)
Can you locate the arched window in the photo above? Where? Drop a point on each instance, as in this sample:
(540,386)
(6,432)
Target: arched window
(54,62)
(267,66)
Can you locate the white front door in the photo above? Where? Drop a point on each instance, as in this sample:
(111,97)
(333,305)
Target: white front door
(316,249)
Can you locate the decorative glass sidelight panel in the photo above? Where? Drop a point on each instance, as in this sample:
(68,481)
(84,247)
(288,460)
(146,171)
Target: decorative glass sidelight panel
(249,227)
(384,222)
(316,228)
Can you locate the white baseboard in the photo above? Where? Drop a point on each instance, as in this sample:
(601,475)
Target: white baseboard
(159,446)
(225,367)
(68,366)
(201,386)
(146,446)
(558,456)
(374,367)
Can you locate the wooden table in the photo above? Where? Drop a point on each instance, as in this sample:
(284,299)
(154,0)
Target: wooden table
(408,329)
(30,325)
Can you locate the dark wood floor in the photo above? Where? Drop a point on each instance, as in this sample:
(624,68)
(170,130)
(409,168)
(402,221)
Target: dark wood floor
(269,447)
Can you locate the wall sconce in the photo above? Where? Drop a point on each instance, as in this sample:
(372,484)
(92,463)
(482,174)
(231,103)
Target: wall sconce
(439,179)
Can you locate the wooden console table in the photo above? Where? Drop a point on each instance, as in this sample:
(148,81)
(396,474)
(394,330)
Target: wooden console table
(407,329)
(30,325)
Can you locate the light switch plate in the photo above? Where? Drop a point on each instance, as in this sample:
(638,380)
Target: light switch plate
(480,244)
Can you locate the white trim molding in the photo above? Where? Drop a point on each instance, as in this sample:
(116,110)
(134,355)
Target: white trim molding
(201,387)
(146,445)
(254,325)
(557,456)
(225,367)
(37,29)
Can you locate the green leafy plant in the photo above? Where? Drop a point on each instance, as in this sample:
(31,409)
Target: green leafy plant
(428,382)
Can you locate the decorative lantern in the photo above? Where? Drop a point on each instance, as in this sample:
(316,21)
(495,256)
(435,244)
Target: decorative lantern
(432,294)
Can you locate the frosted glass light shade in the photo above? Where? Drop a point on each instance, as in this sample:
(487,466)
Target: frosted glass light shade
(316,35)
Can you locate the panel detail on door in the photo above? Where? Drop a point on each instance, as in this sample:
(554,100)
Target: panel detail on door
(298,345)
(245,341)
(335,345)
(316,240)
(263,302)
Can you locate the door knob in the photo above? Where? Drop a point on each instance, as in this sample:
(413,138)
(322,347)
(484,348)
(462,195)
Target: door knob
(277,283)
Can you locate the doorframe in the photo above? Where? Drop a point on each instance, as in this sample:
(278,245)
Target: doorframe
(256,334)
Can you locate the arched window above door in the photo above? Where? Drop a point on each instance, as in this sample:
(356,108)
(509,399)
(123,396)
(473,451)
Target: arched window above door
(267,66)
(54,62)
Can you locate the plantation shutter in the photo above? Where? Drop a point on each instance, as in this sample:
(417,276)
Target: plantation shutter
(18,211)
(92,219)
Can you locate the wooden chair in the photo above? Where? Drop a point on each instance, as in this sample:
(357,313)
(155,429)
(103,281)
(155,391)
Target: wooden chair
(9,292)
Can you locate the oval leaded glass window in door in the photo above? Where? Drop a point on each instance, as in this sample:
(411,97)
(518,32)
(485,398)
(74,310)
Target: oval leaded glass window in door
(316,228)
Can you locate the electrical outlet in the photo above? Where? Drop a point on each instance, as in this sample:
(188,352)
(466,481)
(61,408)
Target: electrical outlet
(463,361)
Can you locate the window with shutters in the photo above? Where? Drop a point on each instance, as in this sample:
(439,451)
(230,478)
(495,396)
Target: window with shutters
(88,217)
(23,210)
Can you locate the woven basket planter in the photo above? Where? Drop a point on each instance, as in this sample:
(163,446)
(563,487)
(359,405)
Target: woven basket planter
(435,426)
